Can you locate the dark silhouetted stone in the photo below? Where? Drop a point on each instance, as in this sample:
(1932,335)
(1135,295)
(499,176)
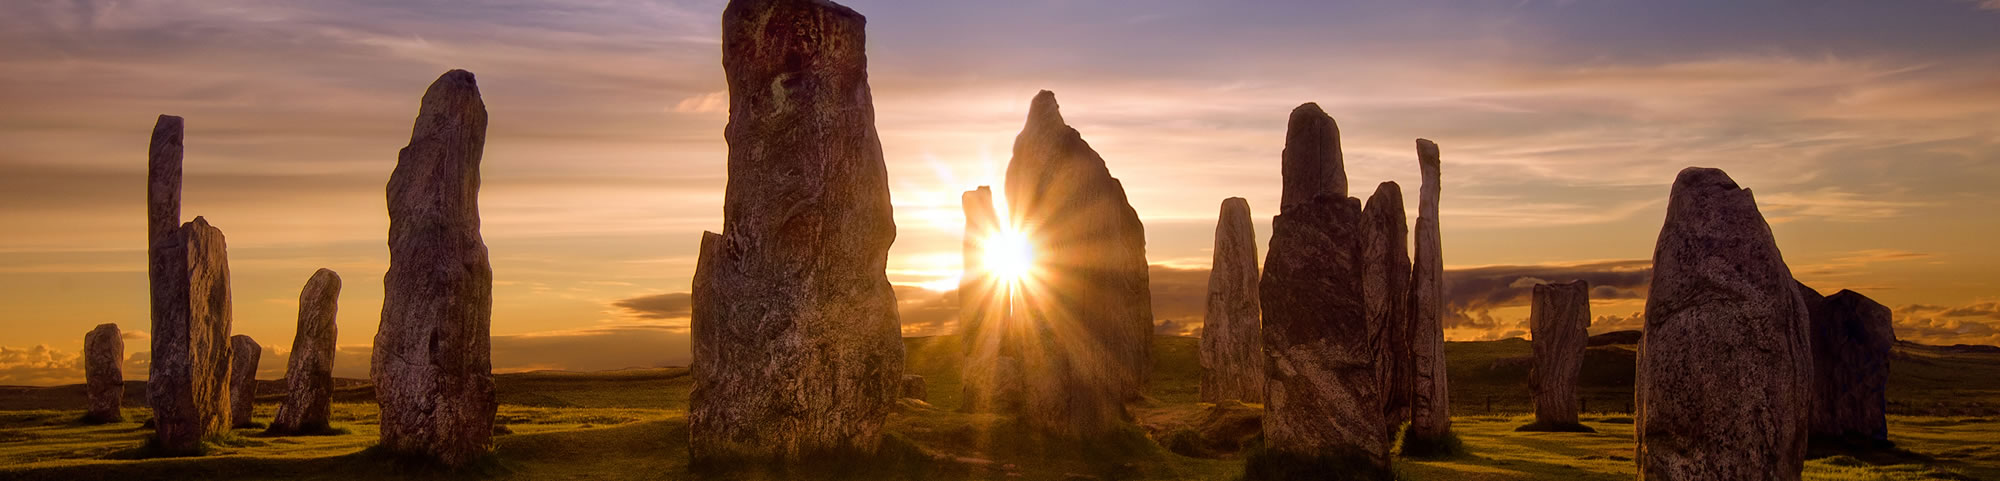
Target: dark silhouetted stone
(1090,312)
(1430,392)
(1232,339)
(432,364)
(1313,164)
(1559,321)
(982,311)
(913,387)
(243,379)
(1724,374)
(1385,288)
(308,404)
(104,373)
(797,341)
(1322,396)
(1851,340)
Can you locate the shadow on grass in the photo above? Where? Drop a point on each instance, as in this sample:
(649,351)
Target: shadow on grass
(1267,465)
(1426,447)
(1542,427)
(320,429)
(897,458)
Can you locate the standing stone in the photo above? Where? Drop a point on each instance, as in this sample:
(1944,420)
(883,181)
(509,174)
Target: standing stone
(308,404)
(1725,363)
(1852,336)
(104,373)
(913,387)
(1322,397)
(1559,320)
(1313,164)
(1385,287)
(1091,306)
(797,343)
(243,379)
(432,364)
(985,336)
(1232,339)
(1430,393)
(188,268)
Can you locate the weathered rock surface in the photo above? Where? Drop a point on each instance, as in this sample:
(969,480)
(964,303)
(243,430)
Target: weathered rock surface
(243,378)
(797,343)
(1851,340)
(1091,312)
(432,364)
(982,311)
(913,387)
(188,269)
(188,386)
(1313,164)
(1430,393)
(1559,322)
(1232,339)
(1724,373)
(308,404)
(1322,397)
(104,373)
(1385,288)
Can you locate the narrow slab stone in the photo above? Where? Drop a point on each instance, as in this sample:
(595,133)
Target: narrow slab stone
(104,373)
(1385,287)
(1430,391)
(1091,308)
(188,382)
(1559,322)
(1724,369)
(1322,397)
(432,364)
(1232,338)
(1852,339)
(243,379)
(308,405)
(982,310)
(1313,164)
(797,341)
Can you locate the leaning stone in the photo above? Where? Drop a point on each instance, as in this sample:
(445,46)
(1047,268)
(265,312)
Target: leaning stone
(1232,341)
(432,363)
(308,406)
(1559,320)
(1852,339)
(1322,397)
(797,343)
(1091,310)
(243,379)
(1725,365)
(1430,392)
(104,373)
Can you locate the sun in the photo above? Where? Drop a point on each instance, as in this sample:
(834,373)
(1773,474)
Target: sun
(1009,257)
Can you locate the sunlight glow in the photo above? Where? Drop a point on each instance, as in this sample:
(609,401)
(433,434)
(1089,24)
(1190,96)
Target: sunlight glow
(1009,257)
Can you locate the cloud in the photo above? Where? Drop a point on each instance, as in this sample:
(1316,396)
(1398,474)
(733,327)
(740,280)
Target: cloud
(1180,296)
(708,103)
(1471,293)
(1973,323)
(671,305)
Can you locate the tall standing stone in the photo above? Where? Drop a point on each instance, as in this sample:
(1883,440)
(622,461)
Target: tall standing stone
(1559,320)
(986,338)
(1091,306)
(1322,395)
(797,343)
(432,364)
(308,404)
(188,268)
(1232,339)
(1852,337)
(1725,364)
(1385,287)
(104,373)
(1430,398)
(1313,164)
(243,379)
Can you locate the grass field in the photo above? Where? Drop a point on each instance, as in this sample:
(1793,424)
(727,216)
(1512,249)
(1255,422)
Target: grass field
(632,425)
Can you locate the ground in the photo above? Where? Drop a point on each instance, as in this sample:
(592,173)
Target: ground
(632,425)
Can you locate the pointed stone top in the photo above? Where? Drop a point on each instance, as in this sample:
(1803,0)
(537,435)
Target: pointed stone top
(985,190)
(1847,297)
(325,276)
(1714,195)
(110,326)
(450,103)
(1236,202)
(1427,151)
(1389,192)
(1043,110)
(200,221)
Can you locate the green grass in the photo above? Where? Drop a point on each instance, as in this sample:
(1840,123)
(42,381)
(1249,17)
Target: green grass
(632,425)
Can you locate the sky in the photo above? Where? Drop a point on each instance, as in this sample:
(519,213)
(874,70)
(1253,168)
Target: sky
(1869,132)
